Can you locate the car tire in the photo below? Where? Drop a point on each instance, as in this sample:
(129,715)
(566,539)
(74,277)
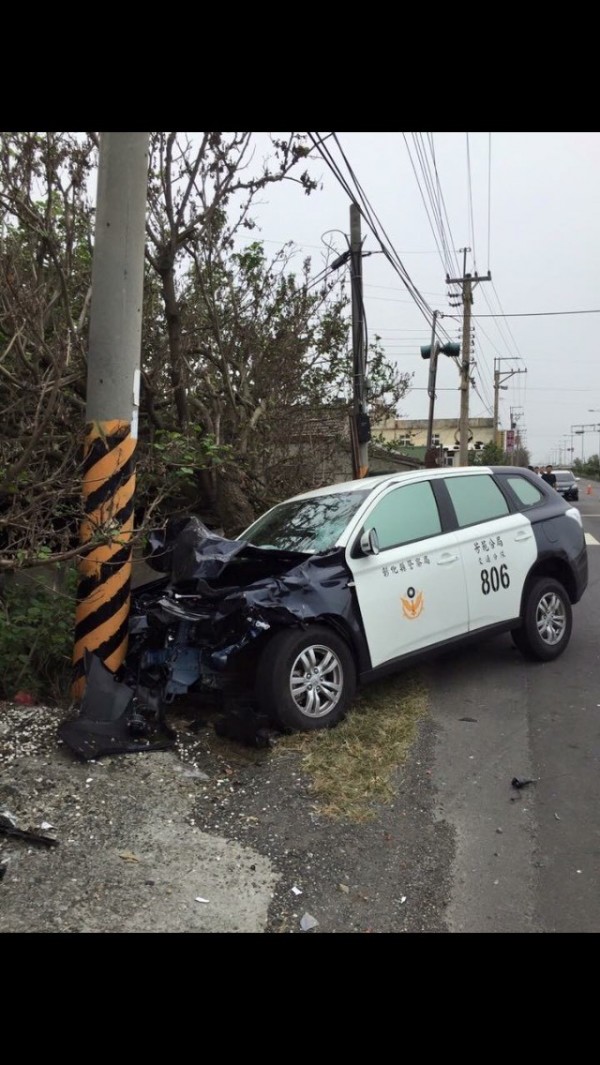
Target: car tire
(284,673)
(547,621)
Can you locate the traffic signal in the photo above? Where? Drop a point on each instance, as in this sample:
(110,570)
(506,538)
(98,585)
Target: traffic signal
(451,349)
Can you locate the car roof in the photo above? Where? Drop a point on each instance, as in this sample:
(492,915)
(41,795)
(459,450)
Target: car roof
(405,477)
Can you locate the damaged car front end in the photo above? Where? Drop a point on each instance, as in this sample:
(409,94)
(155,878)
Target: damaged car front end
(204,627)
(258,624)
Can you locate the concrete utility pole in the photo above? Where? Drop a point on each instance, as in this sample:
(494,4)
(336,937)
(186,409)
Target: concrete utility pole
(361,430)
(499,377)
(467,283)
(432,381)
(431,352)
(113,386)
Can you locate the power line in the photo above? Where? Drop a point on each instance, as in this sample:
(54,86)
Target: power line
(526,314)
(456,267)
(489,196)
(470,190)
(373,222)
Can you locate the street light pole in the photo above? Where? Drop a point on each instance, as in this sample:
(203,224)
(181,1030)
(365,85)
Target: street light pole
(580,430)
(596,410)
(432,380)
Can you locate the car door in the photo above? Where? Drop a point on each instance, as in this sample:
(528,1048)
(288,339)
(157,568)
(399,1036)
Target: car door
(498,548)
(412,594)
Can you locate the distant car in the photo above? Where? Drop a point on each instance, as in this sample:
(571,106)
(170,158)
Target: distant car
(342,584)
(566,484)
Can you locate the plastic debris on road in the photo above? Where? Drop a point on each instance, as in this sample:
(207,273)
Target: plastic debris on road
(308,922)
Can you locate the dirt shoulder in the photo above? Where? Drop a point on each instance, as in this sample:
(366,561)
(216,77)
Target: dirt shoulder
(210,836)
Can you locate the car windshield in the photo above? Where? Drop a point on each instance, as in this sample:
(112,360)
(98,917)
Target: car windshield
(565,475)
(309,525)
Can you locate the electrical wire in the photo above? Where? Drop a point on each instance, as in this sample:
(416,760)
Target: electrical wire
(489,197)
(441,199)
(441,251)
(470,194)
(375,225)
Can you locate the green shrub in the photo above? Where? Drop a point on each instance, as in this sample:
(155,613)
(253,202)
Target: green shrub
(37,626)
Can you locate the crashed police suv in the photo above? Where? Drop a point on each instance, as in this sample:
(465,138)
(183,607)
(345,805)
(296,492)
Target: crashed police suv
(337,586)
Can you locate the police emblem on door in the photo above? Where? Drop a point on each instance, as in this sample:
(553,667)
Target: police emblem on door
(413,604)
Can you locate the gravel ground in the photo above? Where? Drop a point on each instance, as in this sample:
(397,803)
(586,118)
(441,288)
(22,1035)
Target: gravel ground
(210,836)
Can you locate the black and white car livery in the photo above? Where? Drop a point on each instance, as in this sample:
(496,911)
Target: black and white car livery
(337,586)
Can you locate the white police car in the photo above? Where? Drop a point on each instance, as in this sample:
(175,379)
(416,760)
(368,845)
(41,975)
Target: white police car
(337,586)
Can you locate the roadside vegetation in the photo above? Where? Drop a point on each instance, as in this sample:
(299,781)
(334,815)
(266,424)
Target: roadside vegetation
(242,351)
(245,356)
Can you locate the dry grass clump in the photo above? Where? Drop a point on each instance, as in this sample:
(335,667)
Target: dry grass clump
(352,765)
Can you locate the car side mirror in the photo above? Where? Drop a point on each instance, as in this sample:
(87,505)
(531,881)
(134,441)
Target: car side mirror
(369,542)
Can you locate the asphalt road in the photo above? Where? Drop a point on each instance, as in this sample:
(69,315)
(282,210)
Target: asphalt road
(526,860)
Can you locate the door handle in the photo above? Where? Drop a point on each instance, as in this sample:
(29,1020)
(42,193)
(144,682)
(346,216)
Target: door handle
(446,559)
(523,535)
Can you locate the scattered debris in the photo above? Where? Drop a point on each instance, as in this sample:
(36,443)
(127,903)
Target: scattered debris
(23,698)
(46,826)
(473,719)
(344,888)
(109,721)
(200,899)
(8,828)
(127,856)
(402,900)
(557,817)
(308,922)
(521,782)
(296,890)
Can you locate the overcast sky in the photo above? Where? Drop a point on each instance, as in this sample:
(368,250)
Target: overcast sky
(528,207)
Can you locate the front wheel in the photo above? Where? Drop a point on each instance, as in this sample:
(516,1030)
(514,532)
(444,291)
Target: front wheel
(547,621)
(306,678)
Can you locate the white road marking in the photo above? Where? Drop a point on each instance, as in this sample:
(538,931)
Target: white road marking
(589,539)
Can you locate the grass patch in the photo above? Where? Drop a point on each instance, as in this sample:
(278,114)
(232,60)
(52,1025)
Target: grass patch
(352,765)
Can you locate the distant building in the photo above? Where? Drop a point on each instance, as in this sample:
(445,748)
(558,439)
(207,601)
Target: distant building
(315,449)
(409,436)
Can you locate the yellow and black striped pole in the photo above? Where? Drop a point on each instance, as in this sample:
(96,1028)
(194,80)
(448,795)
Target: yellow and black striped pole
(103,595)
(105,573)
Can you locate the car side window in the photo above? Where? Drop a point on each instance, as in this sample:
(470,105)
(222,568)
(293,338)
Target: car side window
(405,514)
(526,492)
(476,499)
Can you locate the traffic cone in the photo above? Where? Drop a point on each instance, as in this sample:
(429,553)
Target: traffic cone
(588,490)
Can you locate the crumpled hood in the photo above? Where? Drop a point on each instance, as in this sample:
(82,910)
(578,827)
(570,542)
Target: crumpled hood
(232,576)
(189,551)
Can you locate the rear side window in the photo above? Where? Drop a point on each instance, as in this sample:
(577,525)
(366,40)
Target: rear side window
(526,492)
(476,498)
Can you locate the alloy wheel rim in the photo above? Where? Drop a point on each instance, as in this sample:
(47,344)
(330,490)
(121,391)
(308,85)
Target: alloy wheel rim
(551,619)
(316,681)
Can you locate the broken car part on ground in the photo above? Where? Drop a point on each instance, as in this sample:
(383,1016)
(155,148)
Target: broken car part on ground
(332,588)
